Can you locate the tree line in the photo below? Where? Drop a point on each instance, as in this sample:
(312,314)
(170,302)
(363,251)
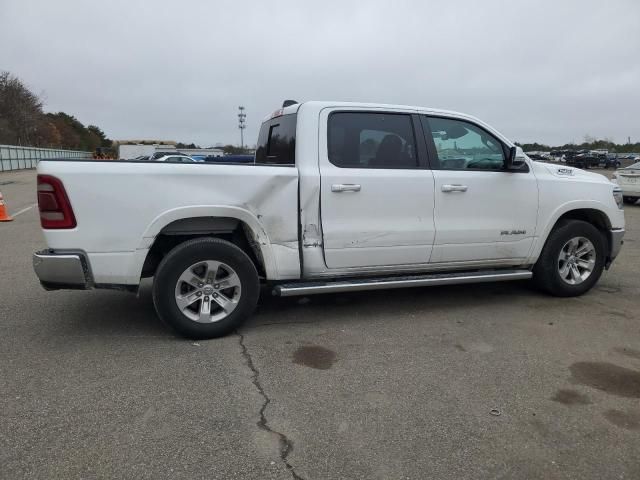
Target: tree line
(23,121)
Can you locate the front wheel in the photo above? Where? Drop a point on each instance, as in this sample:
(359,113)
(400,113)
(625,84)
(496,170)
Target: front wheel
(572,260)
(205,288)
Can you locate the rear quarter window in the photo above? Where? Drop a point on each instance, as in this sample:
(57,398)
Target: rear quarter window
(277,141)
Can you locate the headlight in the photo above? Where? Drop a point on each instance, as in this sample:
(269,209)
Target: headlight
(617,196)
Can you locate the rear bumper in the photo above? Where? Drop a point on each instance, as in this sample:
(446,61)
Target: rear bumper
(630,190)
(58,270)
(615,244)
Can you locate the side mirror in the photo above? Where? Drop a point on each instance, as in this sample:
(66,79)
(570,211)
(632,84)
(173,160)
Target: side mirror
(515,161)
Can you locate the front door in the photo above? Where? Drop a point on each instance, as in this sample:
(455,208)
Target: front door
(483,213)
(376,190)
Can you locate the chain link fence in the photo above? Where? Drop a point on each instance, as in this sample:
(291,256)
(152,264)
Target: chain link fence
(13,157)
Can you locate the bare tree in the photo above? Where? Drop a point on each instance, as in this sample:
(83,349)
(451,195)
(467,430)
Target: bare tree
(20,111)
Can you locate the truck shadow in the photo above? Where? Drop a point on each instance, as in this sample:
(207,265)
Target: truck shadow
(391,303)
(107,313)
(111,313)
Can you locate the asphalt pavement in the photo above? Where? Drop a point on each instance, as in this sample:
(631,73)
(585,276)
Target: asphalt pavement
(463,382)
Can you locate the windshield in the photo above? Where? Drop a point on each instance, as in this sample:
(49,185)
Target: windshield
(635,165)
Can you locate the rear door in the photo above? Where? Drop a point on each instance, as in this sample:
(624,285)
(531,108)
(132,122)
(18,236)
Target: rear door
(483,213)
(376,189)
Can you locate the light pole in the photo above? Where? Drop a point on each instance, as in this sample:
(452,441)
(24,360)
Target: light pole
(241,125)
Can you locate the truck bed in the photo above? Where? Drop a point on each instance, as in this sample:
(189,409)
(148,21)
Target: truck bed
(121,206)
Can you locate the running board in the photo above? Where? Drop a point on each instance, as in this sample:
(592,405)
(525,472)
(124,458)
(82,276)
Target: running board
(315,287)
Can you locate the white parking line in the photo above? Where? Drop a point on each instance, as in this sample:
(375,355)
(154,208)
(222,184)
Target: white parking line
(26,209)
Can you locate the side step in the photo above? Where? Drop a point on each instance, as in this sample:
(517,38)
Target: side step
(379,283)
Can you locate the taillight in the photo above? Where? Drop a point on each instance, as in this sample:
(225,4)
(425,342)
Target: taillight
(53,203)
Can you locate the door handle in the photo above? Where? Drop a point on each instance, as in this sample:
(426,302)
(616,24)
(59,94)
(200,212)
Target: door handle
(454,188)
(345,187)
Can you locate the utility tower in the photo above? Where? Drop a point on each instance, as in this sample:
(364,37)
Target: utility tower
(242,118)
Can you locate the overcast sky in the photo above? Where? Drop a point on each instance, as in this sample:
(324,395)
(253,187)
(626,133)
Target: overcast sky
(551,71)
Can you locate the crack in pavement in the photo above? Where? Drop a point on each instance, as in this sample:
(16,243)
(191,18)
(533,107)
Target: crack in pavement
(286,445)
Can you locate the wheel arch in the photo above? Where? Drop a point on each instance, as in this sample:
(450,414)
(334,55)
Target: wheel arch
(597,218)
(234,224)
(590,212)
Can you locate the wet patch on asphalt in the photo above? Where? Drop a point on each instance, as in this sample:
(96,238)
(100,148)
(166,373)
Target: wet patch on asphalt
(626,420)
(610,378)
(570,397)
(314,356)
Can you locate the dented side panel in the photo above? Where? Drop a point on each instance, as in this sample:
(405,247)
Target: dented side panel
(307,135)
(120,207)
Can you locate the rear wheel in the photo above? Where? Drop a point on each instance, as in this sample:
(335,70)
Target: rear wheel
(572,260)
(205,288)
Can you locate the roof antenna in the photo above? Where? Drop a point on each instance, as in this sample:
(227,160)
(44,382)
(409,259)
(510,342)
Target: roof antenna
(287,103)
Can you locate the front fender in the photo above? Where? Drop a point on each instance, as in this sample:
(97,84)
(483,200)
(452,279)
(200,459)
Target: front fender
(543,233)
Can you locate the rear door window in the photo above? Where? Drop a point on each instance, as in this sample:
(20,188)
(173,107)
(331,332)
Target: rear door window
(277,141)
(371,140)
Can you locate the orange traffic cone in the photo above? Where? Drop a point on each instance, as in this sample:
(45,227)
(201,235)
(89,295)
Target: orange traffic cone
(4,216)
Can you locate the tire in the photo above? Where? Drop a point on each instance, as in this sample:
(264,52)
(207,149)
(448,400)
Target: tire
(553,273)
(195,272)
(630,200)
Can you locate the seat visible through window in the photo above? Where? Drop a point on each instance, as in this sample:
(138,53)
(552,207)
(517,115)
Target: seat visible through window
(371,140)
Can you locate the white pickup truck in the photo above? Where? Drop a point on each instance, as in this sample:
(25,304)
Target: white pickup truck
(341,197)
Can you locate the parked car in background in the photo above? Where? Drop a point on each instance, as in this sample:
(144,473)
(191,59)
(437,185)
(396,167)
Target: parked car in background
(609,161)
(239,158)
(173,158)
(231,159)
(198,158)
(157,155)
(583,159)
(535,156)
(214,159)
(629,181)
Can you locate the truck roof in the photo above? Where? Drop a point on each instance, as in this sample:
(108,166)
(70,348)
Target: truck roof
(319,104)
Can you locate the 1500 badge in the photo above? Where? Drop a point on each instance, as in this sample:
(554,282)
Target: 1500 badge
(513,232)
